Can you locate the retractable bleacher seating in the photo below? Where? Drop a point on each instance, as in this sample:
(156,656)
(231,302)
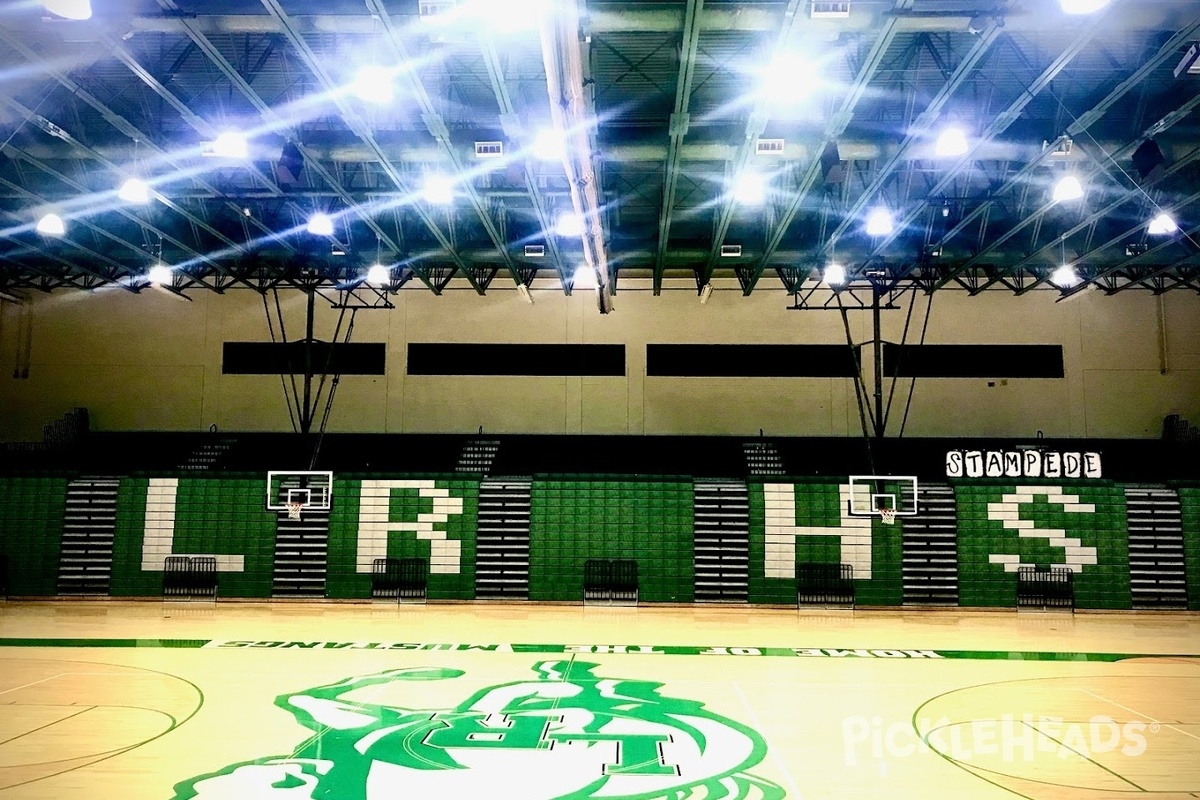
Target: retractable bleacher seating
(405,580)
(1046,588)
(825,585)
(610,581)
(190,577)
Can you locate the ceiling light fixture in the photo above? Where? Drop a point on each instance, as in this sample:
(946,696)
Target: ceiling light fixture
(879,222)
(52,225)
(1163,225)
(438,190)
(835,275)
(160,274)
(1067,189)
(228,145)
(789,79)
(750,189)
(373,84)
(952,142)
(1065,277)
(69,9)
(585,277)
(1082,6)
(320,224)
(134,190)
(549,145)
(569,225)
(379,275)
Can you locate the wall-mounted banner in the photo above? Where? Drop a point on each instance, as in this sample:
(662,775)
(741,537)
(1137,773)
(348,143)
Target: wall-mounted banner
(1021,464)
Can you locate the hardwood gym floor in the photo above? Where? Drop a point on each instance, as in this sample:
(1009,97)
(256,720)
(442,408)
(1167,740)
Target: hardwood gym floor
(154,701)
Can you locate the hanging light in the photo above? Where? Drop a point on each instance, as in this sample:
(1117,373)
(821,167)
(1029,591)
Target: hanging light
(1067,189)
(379,275)
(549,145)
(952,142)
(789,80)
(160,274)
(879,222)
(51,225)
(134,190)
(835,274)
(1162,225)
(230,144)
(320,224)
(69,9)
(750,189)
(373,84)
(439,190)
(1065,277)
(585,277)
(569,225)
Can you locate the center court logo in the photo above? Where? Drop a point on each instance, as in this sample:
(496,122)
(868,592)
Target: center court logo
(566,735)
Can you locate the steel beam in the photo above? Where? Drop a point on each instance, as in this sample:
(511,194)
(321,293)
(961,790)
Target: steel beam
(1093,218)
(491,59)
(918,131)
(999,125)
(268,114)
(1081,125)
(756,123)
(677,131)
(117,121)
(834,128)
(574,116)
(363,131)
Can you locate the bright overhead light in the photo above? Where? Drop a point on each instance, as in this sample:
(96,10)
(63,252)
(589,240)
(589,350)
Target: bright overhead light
(379,275)
(835,275)
(373,84)
(51,225)
(952,142)
(549,145)
(320,224)
(159,274)
(1067,189)
(750,189)
(228,145)
(585,277)
(69,9)
(507,16)
(1162,225)
(879,222)
(1065,277)
(1083,6)
(439,190)
(569,225)
(789,79)
(134,190)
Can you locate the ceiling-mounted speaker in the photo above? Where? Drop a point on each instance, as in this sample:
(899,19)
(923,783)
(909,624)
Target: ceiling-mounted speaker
(1149,161)
(831,165)
(291,163)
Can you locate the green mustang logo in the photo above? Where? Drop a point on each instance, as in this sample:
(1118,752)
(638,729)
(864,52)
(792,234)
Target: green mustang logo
(568,735)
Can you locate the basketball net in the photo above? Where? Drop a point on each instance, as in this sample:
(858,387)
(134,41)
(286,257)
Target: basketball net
(888,515)
(294,510)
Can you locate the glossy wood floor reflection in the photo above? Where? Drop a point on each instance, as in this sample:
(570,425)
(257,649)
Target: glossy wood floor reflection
(153,701)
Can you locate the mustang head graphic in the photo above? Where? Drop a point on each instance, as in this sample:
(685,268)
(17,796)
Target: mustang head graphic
(566,735)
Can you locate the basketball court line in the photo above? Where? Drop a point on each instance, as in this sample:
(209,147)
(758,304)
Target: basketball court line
(34,683)
(771,751)
(48,724)
(1140,714)
(1086,758)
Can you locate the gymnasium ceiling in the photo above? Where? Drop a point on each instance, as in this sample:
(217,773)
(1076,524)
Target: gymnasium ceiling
(667,105)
